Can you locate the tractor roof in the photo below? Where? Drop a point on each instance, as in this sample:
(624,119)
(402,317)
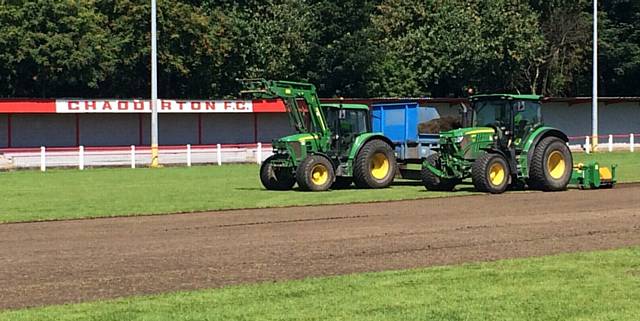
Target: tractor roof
(347,106)
(506,96)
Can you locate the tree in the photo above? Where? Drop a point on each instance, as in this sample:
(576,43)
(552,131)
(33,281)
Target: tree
(620,48)
(57,48)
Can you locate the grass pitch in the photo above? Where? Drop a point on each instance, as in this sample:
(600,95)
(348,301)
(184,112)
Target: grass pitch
(583,286)
(69,194)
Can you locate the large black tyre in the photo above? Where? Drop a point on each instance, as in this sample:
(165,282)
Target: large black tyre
(490,173)
(375,165)
(315,173)
(276,178)
(431,181)
(551,165)
(342,182)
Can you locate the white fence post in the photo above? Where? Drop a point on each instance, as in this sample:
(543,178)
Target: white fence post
(587,144)
(610,143)
(632,143)
(133,156)
(259,154)
(43,159)
(81,158)
(219,152)
(188,155)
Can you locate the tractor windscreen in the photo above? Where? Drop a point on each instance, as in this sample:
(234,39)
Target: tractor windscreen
(491,113)
(347,121)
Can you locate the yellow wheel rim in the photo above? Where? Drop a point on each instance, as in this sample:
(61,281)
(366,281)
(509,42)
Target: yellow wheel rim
(319,174)
(379,166)
(497,174)
(556,165)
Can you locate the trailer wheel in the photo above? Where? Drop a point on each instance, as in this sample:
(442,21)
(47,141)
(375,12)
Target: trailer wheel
(276,178)
(490,173)
(431,181)
(315,173)
(551,165)
(375,166)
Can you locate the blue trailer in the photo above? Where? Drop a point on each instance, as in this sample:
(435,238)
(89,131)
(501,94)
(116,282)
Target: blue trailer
(399,122)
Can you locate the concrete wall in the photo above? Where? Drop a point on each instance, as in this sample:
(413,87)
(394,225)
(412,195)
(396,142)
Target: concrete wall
(227,129)
(52,130)
(273,125)
(33,130)
(178,129)
(109,130)
(3,131)
(575,120)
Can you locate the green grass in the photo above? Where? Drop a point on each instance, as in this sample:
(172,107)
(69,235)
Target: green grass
(584,286)
(67,194)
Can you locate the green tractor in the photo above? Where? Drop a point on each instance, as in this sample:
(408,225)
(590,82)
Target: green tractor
(333,147)
(508,145)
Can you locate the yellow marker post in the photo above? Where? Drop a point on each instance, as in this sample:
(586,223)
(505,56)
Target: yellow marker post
(594,143)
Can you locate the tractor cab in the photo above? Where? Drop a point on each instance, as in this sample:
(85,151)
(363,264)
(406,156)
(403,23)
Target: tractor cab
(346,122)
(513,117)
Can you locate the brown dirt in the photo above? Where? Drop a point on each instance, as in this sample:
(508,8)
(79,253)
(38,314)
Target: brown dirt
(72,261)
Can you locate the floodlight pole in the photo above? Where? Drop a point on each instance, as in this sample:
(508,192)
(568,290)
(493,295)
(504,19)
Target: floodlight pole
(154,89)
(594,104)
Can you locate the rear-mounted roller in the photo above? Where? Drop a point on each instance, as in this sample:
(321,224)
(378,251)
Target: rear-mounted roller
(592,176)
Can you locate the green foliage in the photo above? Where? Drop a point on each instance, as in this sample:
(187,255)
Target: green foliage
(353,48)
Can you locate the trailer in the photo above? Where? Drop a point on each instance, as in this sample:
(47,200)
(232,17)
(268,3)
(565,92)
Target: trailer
(399,122)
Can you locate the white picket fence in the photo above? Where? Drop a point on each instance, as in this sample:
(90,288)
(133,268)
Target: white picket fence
(609,143)
(82,157)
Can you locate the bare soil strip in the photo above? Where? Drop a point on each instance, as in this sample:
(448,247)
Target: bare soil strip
(73,261)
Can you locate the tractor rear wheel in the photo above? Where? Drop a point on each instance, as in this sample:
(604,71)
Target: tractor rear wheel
(375,166)
(551,165)
(315,173)
(276,178)
(431,181)
(490,173)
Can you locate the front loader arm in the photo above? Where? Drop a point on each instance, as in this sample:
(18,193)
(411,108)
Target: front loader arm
(290,92)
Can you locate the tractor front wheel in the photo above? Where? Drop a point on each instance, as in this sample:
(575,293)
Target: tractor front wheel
(431,181)
(276,178)
(490,173)
(315,173)
(375,166)
(551,165)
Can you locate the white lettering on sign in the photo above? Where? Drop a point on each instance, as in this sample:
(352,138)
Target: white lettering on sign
(144,106)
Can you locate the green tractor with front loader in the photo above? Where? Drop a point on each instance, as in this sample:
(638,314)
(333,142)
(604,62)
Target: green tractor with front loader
(506,145)
(333,147)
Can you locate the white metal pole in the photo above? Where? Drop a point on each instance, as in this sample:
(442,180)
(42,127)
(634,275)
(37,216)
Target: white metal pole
(43,159)
(154,89)
(188,155)
(632,143)
(594,108)
(81,158)
(133,156)
(219,154)
(259,154)
(610,143)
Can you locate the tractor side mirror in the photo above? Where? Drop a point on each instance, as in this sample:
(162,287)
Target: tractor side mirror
(342,114)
